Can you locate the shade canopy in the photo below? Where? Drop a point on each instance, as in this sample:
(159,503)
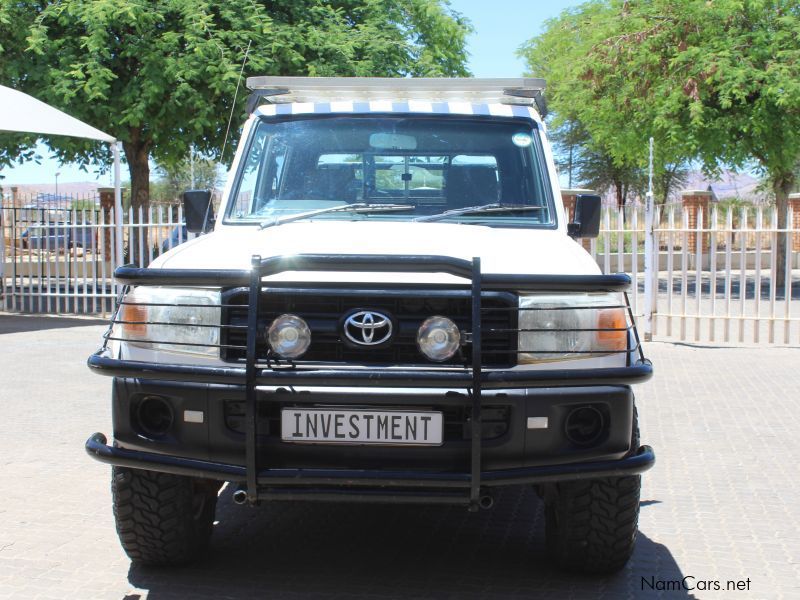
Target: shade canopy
(25,114)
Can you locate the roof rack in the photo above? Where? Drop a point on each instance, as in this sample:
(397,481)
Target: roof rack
(280,90)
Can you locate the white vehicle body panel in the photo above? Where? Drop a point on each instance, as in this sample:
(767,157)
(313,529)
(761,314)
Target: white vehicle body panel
(502,250)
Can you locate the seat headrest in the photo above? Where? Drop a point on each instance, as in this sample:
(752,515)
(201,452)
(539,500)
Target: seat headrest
(471,185)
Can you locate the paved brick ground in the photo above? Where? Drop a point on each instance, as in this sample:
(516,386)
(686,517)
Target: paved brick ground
(721,504)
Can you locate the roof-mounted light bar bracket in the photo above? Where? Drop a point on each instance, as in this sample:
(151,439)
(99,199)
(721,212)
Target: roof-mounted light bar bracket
(523,90)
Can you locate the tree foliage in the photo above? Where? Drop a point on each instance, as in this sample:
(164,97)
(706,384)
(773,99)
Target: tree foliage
(718,80)
(160,75)
(587,164)
(202,173)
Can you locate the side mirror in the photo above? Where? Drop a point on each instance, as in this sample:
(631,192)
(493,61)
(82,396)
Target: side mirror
(197,211)
(587,217)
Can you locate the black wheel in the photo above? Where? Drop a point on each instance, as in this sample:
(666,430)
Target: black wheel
(591,526)
(162,519)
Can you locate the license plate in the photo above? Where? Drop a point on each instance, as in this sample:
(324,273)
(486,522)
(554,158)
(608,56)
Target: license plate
(345,426)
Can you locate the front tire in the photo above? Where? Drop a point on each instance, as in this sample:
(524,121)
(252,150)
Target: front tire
(162,519)
(591,525)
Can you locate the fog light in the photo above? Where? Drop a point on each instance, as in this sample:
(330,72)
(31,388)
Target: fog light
(154,415)
(438,338)
(585,425)
(289,336)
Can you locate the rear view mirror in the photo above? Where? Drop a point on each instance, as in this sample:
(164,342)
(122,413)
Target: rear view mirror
(198,211)
(392,141)
(587,217)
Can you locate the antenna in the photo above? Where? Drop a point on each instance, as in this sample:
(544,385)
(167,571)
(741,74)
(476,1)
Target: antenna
(235,94)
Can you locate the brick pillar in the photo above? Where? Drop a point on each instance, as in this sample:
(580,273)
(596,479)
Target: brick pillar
(794,204)
(107,215)
(693,202)
(569,198)
(14,196)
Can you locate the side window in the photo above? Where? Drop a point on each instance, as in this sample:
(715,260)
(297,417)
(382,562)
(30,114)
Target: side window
(251,182)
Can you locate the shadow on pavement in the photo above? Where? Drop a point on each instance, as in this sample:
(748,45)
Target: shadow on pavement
(13,323)
(376,551)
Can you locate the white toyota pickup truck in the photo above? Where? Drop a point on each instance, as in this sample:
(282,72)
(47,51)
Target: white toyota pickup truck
(389,306)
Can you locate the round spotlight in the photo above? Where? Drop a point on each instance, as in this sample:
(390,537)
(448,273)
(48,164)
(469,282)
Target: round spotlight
(289,336)
(438,338)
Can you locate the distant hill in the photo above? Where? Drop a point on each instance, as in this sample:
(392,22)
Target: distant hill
(729,185)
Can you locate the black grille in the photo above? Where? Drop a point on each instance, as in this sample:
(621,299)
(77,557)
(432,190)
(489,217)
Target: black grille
(324,310)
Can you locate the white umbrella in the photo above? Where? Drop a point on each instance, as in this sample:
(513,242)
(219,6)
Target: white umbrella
(25,114)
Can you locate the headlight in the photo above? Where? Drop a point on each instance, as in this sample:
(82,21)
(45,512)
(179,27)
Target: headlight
(438,338)
(289,336)
(570,326)
(171,319)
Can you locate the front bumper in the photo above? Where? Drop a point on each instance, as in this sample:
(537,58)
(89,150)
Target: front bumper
(308,480)
(476,464)
(214,450)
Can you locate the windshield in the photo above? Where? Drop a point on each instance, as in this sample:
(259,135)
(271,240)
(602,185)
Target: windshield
(423,166)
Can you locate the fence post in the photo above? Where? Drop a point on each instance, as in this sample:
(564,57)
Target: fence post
(569,198)
(650,252)
(794,225)
(650,265)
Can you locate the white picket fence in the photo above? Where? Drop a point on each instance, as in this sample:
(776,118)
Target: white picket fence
(723,290)
(62,261)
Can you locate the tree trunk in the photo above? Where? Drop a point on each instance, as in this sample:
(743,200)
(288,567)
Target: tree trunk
(782,186)
(619,190)
(136,153)
(571,146)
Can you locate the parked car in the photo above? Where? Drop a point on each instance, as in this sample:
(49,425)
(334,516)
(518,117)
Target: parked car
(57,236)
(177,236)
(392,306)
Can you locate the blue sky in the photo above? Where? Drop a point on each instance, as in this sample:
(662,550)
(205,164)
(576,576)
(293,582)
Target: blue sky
(501,26)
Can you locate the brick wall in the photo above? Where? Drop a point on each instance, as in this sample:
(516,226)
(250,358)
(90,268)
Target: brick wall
(695,202)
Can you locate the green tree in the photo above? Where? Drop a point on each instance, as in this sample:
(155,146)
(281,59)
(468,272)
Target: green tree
(174,179)
(717,80)
(160,75)
(589,165)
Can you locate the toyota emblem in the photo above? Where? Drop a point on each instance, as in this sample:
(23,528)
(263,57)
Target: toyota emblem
(368,328)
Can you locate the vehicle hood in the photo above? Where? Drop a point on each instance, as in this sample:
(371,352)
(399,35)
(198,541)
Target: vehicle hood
(510,251)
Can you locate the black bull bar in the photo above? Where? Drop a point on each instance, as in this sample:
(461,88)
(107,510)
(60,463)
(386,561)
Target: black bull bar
(471,377)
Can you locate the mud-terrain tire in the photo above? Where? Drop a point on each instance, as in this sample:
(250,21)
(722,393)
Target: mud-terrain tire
(591,525)
(162,519)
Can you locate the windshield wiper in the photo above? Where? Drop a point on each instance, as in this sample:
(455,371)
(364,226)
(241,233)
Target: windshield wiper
(355,207)
(494,207)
